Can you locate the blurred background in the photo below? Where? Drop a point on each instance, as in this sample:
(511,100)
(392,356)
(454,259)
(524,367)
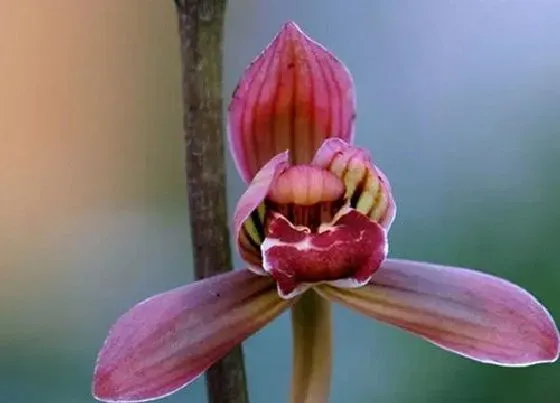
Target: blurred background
(458,101)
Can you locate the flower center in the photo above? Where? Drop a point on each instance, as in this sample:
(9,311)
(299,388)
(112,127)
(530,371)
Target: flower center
(325,222)
(306,195)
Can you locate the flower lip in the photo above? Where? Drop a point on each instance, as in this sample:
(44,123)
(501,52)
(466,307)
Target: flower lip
(345,253)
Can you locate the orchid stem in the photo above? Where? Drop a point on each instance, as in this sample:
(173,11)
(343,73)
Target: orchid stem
(201,34)
(311,324)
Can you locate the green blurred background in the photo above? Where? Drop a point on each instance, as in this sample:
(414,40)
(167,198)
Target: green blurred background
(458,101)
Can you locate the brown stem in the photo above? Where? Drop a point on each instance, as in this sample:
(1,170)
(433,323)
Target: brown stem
(201,31)
(311,324)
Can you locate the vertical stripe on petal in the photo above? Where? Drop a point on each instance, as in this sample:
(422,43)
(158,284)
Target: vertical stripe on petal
(367,187)
(291,97)
(476,315)
(167,341)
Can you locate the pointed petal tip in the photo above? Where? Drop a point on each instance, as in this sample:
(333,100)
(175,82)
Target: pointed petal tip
(534,319)
(550,346)
(547,349)
(554,351)
(291,26)
(292,32)
(536,339)
(104,389)
(111,380)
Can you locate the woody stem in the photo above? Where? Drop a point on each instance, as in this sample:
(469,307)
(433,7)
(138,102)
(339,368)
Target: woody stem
(201,36)
(311,324)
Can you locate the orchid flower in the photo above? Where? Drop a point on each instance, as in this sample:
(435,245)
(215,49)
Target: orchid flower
(312,228)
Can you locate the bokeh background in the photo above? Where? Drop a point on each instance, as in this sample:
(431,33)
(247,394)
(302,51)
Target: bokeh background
(458,101)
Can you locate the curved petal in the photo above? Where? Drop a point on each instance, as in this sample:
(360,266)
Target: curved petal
(365,184)
(291,97)
(247,234)
(167,341)
(476,315)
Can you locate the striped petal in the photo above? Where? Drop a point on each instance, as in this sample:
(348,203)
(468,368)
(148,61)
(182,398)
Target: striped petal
(291,97)
(476,315)
(167,341)
(366,186)
(248,233)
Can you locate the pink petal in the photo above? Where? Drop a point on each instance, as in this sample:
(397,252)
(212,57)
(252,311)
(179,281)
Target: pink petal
(167,341)
(291,97)
(345,254)
(306,185)
(244,230)
(365,184)
(476,315)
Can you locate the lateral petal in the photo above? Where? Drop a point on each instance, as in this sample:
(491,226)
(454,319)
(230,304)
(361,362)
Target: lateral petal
(165,342)
(473,314)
